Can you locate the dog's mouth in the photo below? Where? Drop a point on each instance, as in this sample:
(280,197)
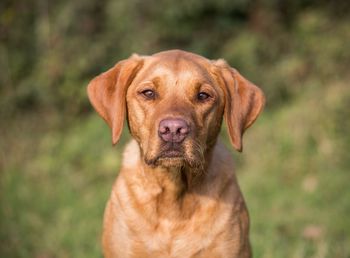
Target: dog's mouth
(171,151)
(177,155)
(170,154)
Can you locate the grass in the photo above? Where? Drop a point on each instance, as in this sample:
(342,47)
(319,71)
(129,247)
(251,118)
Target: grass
(294,172)
(295,184)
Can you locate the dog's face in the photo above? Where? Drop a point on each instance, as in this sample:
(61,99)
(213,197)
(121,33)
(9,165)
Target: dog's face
(175,102)
(175,108)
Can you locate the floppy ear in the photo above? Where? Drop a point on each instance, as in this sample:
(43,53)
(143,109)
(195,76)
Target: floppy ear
(107,93)
(243,103)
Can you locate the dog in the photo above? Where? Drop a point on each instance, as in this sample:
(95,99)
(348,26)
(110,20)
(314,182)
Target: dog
(176,194)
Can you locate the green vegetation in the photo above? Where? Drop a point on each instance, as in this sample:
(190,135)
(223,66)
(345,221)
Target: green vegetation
(57,164)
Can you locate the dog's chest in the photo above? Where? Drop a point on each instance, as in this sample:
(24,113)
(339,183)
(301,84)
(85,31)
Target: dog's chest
(182,237)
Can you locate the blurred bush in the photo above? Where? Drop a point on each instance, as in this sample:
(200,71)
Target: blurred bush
(55,159)
(49,50)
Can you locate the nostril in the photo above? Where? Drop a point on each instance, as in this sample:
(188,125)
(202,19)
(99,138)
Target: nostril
(164,129)
(183,130)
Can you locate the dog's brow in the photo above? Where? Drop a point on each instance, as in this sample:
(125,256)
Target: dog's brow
(147,82)
(156,81)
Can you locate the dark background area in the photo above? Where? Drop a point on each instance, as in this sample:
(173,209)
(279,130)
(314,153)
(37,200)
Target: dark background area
(57,164)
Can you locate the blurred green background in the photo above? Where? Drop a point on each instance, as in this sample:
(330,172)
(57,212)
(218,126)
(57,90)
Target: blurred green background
(56,159)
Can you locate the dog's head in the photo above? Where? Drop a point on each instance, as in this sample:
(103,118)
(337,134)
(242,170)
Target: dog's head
(175,102)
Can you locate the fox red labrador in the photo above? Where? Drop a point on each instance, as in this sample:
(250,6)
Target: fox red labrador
(176,194)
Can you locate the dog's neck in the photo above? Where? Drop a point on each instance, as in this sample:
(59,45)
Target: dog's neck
(176,179)
(174,187)
(169,182)
(171,189)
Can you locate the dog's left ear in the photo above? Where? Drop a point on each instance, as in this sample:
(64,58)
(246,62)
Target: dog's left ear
(243,102)
(107,93)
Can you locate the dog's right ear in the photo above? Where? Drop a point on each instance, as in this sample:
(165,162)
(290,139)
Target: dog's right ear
(107,93)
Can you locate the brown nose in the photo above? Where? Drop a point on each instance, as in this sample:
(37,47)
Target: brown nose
(173,130)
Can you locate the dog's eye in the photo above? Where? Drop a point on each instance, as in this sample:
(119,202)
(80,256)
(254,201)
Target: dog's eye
(202,96)
(149,94)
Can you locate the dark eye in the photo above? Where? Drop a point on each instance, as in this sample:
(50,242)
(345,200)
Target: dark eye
(202,96)
(149,94)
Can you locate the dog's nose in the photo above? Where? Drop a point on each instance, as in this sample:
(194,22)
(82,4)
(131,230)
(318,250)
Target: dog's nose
(173,130)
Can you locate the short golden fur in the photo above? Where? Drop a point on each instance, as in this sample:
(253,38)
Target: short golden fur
(186,204)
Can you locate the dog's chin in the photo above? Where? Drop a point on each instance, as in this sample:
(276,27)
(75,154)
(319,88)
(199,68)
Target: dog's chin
(168,159)
(174,159)
(175,162)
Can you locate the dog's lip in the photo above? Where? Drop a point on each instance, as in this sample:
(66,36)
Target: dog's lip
(171,154)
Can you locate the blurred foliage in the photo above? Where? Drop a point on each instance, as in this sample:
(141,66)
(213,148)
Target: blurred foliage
(49,49)
(57,166)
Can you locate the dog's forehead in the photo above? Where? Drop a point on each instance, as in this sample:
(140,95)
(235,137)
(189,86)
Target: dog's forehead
(177,65)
